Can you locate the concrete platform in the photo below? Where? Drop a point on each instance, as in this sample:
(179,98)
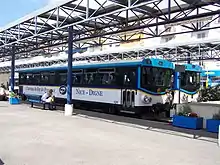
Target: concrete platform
(36,137)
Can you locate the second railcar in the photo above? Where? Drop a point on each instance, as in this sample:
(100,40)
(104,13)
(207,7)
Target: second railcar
(187,84)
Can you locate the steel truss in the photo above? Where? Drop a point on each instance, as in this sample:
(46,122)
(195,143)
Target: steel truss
(195,51)
(7,68)
(199,50)
(98,22)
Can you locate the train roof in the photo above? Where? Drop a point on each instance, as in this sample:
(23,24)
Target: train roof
(122,63)
(192,67)
(211,73)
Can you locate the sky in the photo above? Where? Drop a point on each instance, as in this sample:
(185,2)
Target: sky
(11,10)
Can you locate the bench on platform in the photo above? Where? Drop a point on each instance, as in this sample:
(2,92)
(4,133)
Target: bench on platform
(37,100)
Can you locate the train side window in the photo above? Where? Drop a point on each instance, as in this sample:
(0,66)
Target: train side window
(29,78)
(106,76)
(45,78)
(98,78)
(89,76)
(129,77)
(119,77)
(85,79)
(23,78)
(57,78)
(109,79)
(52,78)
(36,79)
(77,78)
(62,78)
(94,76)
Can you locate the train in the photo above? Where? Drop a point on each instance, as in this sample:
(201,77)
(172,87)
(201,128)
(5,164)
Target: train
(146,87)
(210,78)
(131,86)
(187,84)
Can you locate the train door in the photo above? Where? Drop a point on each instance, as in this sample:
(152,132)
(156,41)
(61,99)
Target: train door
(128,90)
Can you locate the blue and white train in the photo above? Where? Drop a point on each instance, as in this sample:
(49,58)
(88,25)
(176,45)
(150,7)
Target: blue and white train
(210,78)
(132,86)
(187,84)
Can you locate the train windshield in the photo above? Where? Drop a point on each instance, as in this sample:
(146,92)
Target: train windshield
(156,79)
(190,81)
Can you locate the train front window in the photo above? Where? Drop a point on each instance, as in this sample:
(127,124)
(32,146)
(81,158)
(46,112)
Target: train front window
(156,79)
(190,81)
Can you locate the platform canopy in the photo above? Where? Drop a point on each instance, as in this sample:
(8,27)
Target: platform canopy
(98,22)
(198,51)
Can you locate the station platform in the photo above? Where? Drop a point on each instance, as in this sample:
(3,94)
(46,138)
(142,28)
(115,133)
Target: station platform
(41,137)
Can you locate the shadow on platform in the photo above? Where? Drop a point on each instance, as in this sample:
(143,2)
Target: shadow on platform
(162,127)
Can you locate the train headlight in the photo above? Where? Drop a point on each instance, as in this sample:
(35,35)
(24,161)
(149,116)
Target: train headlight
(146,99)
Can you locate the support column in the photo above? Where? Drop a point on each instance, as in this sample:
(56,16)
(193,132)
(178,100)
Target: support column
(219,135)
(169,9)
(69,106)
(87,9)
(12,68)
(177,84)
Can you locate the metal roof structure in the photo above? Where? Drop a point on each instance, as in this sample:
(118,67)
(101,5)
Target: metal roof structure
(199,50)
(97,22)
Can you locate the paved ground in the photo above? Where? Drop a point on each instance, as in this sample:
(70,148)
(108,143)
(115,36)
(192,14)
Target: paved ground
(35,137)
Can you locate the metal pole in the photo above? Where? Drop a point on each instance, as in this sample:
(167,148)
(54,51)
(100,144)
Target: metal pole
(69,106)
(12,69)
(69,72)
(129,3)
(169,9)
(178,85)
(219,136)
(87,9)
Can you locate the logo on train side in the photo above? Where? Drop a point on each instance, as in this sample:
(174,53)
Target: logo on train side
(63,90)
